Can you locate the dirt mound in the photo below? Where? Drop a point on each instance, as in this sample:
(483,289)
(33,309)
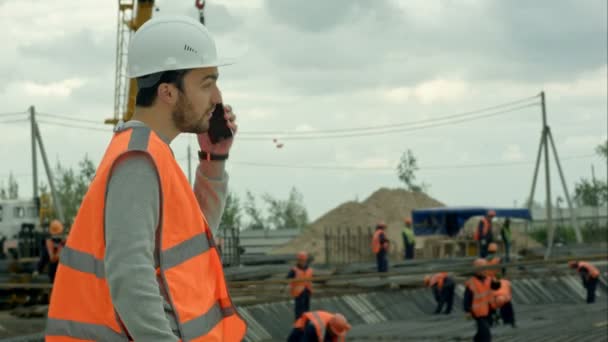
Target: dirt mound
(389,205)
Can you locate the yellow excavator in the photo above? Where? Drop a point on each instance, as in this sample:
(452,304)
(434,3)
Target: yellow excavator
(132,14)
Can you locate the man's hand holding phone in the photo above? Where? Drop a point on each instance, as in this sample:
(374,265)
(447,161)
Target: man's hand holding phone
(217,141)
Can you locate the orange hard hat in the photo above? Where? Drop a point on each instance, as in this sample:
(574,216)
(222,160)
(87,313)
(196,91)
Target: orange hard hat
(381,224)
(302,256)
(573,264)
(479,262)
(427,280)
(491,213)
(338,325)
(56,227)
(408,220)
(492,247)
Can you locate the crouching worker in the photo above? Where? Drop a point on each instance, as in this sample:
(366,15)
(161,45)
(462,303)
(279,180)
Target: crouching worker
(320,326)
(443,291)
(502,303)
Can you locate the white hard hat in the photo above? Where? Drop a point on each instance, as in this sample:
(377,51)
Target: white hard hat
(171,43)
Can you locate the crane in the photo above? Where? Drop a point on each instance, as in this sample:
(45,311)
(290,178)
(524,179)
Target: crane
(132,14)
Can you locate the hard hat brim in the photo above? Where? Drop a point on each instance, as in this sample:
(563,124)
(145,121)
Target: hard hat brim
(217,63)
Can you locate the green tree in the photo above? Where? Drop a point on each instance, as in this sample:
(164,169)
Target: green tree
(406,171)
(72,186)
(286,214)
(231,219)
(253,213)
(593,192)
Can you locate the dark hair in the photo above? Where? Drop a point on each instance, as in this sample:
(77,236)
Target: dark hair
(147,95)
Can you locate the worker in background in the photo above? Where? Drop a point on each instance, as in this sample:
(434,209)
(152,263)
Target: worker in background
(502,304)
(319,326)
(589,275)
(380,247)
(494,259)
(483,233)
(53,245)
(140,263)
(477,298)
(409,239)
(505,234)
(443,290)
(301,287)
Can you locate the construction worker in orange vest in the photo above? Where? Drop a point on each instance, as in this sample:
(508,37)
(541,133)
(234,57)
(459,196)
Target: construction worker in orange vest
(478,296)
(442,285)
(494,259)
(380,247)
(502,304)
(140,262)
(483,233)
(53,246)
(301,287)
(319,326)
(589,275)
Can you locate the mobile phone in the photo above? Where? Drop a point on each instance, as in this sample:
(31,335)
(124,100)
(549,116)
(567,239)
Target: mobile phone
(218,126)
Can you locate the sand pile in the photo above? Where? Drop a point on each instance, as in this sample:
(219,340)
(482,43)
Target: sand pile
(389,205)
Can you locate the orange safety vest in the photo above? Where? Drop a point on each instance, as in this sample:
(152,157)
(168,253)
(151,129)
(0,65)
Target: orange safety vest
(593,271)
(484,231)
(482,296)
(438,279)
(493,272)
(319,319)
(297,287)
(505,292)
(54,250)
(376,241)
(188,265)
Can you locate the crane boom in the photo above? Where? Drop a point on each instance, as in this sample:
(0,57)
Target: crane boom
(132,14)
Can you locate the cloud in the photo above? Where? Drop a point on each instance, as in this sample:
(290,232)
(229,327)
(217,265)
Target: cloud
(62,88)
(513,153)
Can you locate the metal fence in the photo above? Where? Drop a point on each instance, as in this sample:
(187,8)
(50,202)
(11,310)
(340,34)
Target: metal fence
(345,245)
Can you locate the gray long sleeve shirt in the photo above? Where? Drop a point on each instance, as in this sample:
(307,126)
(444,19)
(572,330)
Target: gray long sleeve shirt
(131,219)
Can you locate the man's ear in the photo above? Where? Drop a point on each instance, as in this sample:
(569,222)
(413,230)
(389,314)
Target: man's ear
(167,93)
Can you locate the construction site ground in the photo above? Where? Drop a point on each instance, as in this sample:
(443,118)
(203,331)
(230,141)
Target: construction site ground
(549,304)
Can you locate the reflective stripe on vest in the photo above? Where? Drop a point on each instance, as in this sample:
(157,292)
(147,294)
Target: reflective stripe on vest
(83,331)
(319,324)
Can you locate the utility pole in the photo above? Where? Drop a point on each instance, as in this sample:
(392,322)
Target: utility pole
(545,140)
(34,155)
(189,165)
(49,174)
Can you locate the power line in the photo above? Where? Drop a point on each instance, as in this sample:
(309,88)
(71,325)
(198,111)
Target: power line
(12,114)
(396,130)
(395,125)
(375,168)
(74,126)
(13,121)
(70,118)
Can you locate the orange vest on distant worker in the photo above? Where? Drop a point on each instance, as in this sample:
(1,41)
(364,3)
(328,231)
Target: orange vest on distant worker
(188,264)
(484,230)
(300,283)
(376,246)
(482,296)
(593,271)
(54,250)
(503,295)
(438,279)
(319,319)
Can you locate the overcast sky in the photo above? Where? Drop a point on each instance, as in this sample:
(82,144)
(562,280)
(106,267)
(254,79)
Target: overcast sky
(342,64)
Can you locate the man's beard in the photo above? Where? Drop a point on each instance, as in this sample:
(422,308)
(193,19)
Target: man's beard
(183,117)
